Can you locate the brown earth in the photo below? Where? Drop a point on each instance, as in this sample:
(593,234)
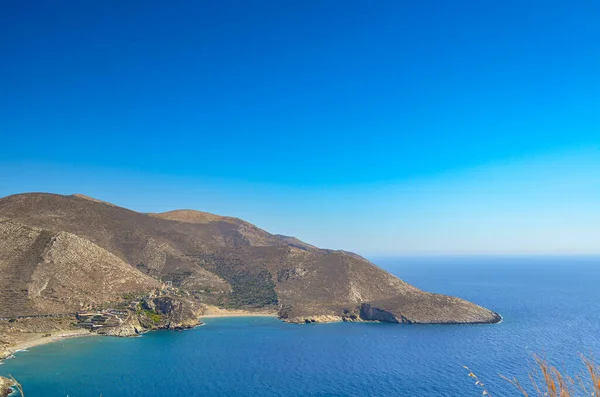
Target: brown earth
(61,254)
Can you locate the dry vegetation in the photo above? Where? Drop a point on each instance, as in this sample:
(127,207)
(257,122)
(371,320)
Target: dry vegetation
(545,380)
(17,386)
(63,254)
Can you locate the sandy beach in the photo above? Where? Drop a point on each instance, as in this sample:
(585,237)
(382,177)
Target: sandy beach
(37,339)
(29,340)
(213,311)
(240,315)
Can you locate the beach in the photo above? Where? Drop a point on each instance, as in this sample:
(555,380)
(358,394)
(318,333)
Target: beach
(28,340)
(36,339)
(213,311)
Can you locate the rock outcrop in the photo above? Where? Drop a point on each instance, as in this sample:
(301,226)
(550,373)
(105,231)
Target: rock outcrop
(5,352)
(369,313)
(157,310)
(5,386)
(172,312)
(131,326)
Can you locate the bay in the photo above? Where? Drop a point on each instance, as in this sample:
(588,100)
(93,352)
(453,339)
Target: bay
(550,306)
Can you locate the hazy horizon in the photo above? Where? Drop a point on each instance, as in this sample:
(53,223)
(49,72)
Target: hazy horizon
(389,129)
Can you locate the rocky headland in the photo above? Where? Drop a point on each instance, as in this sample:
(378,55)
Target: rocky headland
(77,265)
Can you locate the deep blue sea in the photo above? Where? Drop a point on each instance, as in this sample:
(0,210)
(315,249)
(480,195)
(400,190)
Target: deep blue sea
(550,306)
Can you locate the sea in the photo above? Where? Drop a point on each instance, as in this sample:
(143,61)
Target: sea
(550,307)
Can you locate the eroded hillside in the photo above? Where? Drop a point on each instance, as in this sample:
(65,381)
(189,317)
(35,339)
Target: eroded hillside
(62,253)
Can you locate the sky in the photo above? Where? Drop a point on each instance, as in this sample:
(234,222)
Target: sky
(384,128)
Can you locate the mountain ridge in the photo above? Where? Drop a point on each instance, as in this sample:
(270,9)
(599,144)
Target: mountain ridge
(49,239)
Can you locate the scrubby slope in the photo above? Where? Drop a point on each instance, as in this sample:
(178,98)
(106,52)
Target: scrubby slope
(46,272)
(220,260)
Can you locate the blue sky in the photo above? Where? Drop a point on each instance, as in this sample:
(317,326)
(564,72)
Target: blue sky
(385,128)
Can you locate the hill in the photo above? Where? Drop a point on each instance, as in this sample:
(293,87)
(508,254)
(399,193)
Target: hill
(61,254)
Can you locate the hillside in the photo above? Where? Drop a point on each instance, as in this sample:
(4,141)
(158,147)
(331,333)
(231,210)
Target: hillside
(60,254)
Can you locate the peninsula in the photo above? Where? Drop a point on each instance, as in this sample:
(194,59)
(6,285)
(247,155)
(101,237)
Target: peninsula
(73,264)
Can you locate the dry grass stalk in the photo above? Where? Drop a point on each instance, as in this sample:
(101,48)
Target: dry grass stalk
(548,381)
(17,385)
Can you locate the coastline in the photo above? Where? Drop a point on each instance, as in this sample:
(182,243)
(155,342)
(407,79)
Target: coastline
(33,340)
(239,315)
(30,340)
(213,311)
(38,339)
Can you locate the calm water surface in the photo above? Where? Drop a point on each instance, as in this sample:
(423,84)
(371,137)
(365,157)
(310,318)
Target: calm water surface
(550,306)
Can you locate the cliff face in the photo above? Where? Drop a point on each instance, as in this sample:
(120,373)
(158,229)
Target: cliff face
(63,254)
(157,310)
(369,313)
(174,313)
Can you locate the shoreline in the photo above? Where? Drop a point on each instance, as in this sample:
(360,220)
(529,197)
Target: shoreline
(213,311)
(34,340)
(239,315)
(39,340)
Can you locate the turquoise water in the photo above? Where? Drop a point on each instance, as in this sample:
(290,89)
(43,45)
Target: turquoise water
(550,306)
